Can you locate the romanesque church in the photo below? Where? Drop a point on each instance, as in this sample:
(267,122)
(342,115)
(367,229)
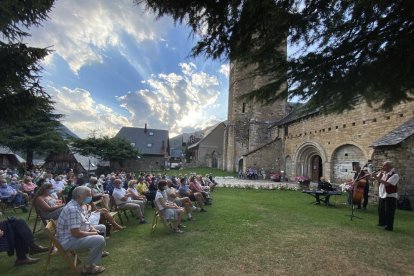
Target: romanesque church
(280,137)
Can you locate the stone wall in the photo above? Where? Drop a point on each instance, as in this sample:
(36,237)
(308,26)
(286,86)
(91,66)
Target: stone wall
(242,112)
(402,156)
(324,135)
(268,157)
(145,163)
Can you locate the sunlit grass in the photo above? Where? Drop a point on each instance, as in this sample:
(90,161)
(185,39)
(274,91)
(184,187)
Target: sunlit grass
(252,232)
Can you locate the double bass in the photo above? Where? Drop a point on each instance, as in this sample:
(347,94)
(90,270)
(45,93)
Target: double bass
(359,187)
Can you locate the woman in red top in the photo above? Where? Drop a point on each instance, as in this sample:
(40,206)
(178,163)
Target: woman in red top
(28,186)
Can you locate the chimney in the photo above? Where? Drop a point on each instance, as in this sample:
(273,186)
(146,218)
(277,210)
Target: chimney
(145,129)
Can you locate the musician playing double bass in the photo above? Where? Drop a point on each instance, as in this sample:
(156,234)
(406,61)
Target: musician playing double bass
(387,180)
(361,182)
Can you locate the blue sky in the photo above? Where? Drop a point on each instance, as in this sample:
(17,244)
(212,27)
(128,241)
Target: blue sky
(114,65)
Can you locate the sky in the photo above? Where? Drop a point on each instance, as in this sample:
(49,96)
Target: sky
(114,64)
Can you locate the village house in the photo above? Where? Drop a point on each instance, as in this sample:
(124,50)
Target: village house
(152,145)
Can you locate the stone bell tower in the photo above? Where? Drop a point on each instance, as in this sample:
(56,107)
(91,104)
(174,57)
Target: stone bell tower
(247,121)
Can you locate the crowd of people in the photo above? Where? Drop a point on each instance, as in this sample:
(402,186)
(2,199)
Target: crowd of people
(72,201)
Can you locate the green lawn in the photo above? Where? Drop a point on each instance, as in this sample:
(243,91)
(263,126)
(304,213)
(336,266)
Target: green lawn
(252,232)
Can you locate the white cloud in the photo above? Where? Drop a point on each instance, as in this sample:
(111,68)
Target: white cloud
(225,70)
(175,101)
(83,115)
(79,31)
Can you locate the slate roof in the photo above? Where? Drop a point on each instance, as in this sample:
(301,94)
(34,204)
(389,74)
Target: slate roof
(142,138)
(7,150)
(397,135)
(84,161)
(298,111)
(208,132)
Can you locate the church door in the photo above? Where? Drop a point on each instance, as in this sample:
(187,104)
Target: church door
(316,170)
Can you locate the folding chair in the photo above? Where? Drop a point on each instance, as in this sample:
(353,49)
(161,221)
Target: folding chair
(4,205)
(37,220)
(117,210)
(69,256)
(158,216)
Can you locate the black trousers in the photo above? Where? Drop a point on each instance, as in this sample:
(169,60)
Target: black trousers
(23,238)
(366,191)
(386,212)
(20,235)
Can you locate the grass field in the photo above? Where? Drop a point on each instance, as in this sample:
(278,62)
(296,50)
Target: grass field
(256,232)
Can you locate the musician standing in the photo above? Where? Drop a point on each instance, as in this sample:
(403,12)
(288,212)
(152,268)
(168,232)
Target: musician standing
(366,188)
(387,180)
(359,174)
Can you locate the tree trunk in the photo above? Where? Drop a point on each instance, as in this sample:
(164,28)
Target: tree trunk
(29,159)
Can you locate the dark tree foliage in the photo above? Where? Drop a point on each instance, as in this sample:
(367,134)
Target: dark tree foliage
(19,63)
(39,133)
(109,149)
(346,50)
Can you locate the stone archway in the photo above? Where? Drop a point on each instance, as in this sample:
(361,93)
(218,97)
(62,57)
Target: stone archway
(317,169)
(240,166)
(343,159)
(309,161)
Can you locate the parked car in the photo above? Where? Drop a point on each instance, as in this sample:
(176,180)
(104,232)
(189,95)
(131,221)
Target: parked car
(175,166)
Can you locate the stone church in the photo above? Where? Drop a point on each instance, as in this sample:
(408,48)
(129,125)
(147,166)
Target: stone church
(280,137)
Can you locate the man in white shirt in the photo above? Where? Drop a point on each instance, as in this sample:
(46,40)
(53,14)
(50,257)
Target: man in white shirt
(388,195)
(124,201)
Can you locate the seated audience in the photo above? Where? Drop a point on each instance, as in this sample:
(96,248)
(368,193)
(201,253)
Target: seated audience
(10,195)
(15,234)
(142,188)
(98,193)
(74,231)
(47,206)
(18,186)
(196,187)
(124,202)
(133,192)
(59,185)
(184,202)
(185,191)
(168,210)
(104,216)
(28,186)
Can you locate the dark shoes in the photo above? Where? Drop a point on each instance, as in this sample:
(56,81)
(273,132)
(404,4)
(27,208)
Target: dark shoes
(95,269)
(26,261)
(143,222)
(203,210)
(35,249)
